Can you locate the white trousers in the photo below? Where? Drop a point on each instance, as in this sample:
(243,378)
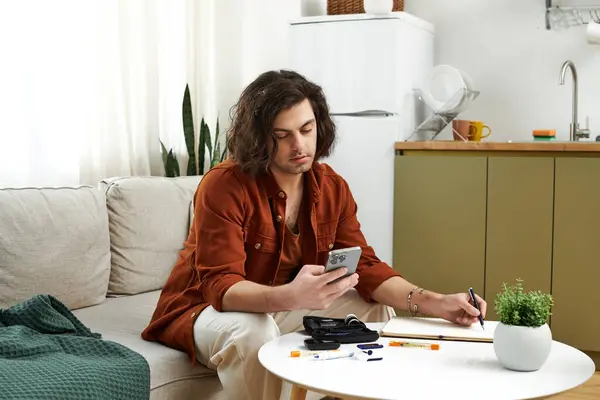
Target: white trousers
(228,342)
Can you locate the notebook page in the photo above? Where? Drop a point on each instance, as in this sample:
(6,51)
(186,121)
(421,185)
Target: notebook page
(437,328)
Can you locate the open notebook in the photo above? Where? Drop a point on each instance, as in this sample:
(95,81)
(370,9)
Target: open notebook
(435,328)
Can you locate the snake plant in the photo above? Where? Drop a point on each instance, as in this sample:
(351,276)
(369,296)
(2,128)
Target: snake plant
(197,158)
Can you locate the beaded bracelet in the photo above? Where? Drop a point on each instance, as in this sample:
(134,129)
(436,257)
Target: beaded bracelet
(416,306)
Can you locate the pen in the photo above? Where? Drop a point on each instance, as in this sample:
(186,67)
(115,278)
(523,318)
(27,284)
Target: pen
(333,355)
(476,306)
(430,346)
(300,353)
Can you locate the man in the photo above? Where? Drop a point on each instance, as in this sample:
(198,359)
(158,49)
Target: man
(263,225)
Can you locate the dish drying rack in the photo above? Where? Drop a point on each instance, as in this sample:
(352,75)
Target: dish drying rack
(576,15)
(435,120)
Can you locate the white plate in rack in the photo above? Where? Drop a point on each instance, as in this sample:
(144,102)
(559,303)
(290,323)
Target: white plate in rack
(444,88)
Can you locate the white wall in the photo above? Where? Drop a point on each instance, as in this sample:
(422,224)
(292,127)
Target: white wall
(246,38)
(232,41)
(515,62)
(503,45)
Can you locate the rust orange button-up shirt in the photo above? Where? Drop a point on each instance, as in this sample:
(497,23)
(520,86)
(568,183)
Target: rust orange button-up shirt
(236,235)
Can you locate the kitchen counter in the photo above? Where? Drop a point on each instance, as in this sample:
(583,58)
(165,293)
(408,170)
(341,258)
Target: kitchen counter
(556,146)
(481,214)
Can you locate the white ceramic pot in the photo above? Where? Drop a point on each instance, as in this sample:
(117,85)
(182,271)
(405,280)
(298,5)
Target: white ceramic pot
(312,8)
(522,348)
(378,6)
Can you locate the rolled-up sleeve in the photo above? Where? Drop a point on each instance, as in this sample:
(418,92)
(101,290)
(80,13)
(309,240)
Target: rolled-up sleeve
(219,209)
(372,272)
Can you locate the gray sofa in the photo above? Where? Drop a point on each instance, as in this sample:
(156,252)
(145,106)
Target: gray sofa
(105,252)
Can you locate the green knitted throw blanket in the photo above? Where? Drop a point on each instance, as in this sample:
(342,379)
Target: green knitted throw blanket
(47,353)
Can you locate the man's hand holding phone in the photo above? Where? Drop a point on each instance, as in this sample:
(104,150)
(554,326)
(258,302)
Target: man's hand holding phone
(314,289)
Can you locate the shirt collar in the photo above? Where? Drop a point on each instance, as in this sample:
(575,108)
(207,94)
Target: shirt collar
(313,179)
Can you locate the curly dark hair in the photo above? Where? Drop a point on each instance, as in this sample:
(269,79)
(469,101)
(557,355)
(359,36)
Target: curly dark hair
(254,115)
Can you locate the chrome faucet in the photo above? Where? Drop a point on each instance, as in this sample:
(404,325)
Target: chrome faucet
(574,133)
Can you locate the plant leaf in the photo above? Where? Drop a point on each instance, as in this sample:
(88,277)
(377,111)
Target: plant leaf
(176,171)
(188,131)
(208,141)
(217,131)
(171,165)
(202,147)
(224,155)
(216,154)
(164,154)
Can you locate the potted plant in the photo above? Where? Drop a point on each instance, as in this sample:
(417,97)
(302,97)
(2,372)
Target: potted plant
(195,165)
(522,339)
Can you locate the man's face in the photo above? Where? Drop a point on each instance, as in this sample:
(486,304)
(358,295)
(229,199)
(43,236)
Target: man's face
(296,134)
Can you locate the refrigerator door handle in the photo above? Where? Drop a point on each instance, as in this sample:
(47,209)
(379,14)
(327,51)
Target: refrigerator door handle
(366,113)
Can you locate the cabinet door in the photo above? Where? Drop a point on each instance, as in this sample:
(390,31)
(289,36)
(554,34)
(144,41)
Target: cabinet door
(576,267)
(439,221)
(519,225)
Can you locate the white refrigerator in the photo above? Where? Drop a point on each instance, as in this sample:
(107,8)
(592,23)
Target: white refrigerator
(368,66)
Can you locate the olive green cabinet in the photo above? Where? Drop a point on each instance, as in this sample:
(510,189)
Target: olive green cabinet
(576,264)
(479,221)
(520,197)
(439,221)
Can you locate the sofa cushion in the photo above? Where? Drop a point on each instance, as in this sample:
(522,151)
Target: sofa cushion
(122,320)
(54,241)
(149,220)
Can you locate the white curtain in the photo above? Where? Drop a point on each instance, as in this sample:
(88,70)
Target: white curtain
(235,41)
(88,87)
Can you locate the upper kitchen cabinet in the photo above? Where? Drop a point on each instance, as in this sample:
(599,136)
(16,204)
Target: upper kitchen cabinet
(520,203)
(439,222)
(349,55)
(576,270)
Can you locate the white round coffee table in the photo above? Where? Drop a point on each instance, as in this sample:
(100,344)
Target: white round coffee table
(459,370)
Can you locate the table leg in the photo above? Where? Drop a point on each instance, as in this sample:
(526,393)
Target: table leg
(298,393)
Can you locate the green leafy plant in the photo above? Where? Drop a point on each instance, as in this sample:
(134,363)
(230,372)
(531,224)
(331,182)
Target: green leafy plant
(516,307)
(169,161)
(196,159)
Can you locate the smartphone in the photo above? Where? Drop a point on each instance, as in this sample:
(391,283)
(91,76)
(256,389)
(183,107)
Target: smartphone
(347,258)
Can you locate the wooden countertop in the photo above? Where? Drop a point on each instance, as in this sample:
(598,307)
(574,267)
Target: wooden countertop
(499,146)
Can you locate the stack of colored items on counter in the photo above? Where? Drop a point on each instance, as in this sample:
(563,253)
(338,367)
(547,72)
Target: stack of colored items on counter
(544,135)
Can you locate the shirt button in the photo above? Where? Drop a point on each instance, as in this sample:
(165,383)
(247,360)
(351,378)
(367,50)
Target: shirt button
(279,218)
(330,246)
(281,194)
(257,246)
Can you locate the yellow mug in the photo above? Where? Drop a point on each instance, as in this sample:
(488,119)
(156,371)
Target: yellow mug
(476,131)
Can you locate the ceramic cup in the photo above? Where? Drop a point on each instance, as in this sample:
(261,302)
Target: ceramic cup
(476,131)
(312,8)
(461,129)
(378,6)
(593,32)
